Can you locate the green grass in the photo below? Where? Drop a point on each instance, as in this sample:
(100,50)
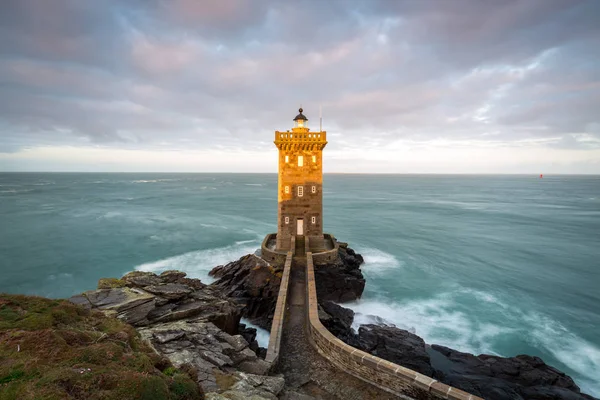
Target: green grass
(52,349)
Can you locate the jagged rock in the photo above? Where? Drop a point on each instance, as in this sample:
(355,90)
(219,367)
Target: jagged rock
(337,319)
(250,335)
(170,291)
(203,346)
(341,281)
(172,276)
(395,345)
(502,378)
(250,386)
(141,279)
(254,283)
(149,299)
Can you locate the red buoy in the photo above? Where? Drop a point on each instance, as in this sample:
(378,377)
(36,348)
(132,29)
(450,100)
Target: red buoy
(541,176)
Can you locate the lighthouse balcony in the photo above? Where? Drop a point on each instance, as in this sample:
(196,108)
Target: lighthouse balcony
(323,251)
(301,135)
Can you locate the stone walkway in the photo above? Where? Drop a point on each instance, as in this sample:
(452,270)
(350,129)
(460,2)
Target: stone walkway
(306,372)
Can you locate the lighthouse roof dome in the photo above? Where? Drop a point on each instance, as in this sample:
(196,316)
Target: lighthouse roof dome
(300,116)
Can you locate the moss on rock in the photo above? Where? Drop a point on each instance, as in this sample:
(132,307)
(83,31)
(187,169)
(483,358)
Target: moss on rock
(52,349)
(110,283)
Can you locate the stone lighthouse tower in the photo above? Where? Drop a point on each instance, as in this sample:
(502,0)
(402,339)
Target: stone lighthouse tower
(300,198)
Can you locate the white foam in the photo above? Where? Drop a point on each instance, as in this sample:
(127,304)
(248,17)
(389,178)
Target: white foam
(378,261)
(156,180)
(254,184)
(262,335)
(197,264)
(573,351)
(441,320)
(437,320)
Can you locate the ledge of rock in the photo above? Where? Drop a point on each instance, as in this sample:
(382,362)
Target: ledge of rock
(144,298)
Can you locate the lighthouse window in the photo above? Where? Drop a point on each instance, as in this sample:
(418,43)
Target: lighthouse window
(300,191)
(314,158)
(314,189)
(287,190)
(300,161)
(287,159)
(314,220)
(287,220)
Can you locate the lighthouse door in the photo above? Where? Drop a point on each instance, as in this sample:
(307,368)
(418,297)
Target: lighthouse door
(300,227)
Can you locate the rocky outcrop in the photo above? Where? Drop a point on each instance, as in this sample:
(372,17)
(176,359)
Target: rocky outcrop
(396,345)
(337,320)
(144,298)
(253,283)
(191,324)
(244,386)
(491,377)
(341,281)
(206,348)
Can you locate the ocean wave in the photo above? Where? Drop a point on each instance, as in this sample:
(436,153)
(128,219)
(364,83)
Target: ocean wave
(213,226)
(254,184)
(197,264)
(378,261)
(480,323)
(433,319)
(16,191)
(156,180)
(571,350)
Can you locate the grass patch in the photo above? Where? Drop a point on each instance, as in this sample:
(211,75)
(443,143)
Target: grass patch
(53,349)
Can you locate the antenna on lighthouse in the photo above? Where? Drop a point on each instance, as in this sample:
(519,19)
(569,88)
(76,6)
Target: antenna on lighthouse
(320,119)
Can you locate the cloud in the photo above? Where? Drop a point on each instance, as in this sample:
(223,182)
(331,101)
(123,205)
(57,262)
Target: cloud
(199,75)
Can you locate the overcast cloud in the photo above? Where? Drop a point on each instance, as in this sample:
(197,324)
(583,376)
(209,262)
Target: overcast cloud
(405,86)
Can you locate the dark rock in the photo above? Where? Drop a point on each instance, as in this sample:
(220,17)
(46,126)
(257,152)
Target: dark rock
(141,279)
(520,377)
(247,333)
(337,319)
(172,276)
(396,345)
(341,281)
(254,283)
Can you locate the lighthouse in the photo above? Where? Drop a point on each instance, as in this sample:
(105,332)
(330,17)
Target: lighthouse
(300,184)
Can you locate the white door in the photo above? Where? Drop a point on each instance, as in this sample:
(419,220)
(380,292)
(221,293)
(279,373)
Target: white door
(300,227)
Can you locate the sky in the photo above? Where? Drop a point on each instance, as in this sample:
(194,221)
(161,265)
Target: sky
(446,86)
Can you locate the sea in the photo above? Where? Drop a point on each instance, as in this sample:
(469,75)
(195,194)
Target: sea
(494,264)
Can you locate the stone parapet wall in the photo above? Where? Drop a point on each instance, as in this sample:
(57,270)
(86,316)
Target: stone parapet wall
(272,256)
(279,315)
(327,256)
(377,371)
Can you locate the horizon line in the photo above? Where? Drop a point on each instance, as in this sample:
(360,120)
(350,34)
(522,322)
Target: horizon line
(325,173)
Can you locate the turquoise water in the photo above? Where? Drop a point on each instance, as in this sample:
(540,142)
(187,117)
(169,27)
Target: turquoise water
(486,264)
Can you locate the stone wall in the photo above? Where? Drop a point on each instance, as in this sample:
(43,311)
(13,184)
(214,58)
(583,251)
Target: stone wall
(384,374)
(271,255)
(327,256)
(279,315)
